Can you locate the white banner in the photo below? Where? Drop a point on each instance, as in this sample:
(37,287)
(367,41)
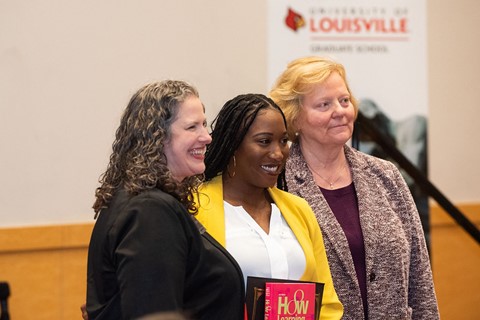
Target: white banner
(381,43)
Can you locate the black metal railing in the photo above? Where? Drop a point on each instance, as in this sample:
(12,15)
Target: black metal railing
(368,127)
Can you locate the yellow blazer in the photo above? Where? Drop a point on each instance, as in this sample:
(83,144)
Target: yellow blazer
(301,220)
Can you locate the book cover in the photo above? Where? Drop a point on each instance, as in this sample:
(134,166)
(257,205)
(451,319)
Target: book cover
(255,296)
(289,301)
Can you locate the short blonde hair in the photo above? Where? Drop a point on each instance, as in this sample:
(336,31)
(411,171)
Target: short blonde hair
(298,79)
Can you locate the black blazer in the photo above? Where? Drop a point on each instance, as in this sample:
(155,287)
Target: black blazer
(147,255)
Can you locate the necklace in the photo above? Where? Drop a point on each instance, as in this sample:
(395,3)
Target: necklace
(330,183)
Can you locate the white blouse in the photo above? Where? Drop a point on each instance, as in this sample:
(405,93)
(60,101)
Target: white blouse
(277,254)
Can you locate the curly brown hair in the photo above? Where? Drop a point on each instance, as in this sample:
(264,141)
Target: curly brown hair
(138,162)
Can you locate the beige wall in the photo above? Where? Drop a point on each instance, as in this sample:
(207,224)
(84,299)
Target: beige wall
(67,70)
(454,89)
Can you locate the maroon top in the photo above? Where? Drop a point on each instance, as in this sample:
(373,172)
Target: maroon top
(344,205)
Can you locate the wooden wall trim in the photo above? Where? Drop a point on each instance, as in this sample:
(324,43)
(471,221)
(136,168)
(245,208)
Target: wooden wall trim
(438,216)
(45,237)
(54,237)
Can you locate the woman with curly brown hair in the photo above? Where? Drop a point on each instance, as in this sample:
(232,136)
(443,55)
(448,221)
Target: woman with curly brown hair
(147,252)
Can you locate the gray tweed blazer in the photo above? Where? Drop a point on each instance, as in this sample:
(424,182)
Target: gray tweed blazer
(399,277)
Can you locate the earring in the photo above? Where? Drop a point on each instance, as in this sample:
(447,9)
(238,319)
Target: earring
(234,165)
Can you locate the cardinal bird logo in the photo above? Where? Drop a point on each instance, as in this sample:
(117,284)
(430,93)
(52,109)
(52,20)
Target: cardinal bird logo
(294,20)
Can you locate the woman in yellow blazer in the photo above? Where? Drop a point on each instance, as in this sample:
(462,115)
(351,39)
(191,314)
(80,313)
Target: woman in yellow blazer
(270,232)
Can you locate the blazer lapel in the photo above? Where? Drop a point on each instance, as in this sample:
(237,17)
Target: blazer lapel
(211,211)
(370,205)
(300,181)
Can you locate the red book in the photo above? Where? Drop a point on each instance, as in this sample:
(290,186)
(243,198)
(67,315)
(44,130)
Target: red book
(255,296)
(289,301)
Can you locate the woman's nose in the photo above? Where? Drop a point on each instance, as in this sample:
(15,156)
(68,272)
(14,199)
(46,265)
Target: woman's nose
(205,136)
(277,153)
(338,109)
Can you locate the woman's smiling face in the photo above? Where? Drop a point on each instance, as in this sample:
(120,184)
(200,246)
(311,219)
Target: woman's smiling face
(327,114)
(264,150)
(185,149)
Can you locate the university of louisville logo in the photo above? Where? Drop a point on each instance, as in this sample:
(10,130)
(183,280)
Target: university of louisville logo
(294,20)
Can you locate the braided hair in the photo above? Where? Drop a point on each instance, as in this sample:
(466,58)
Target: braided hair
(230,127)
